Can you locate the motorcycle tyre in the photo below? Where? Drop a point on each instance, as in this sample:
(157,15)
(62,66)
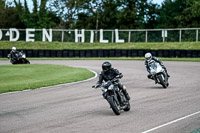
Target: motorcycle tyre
(161,81)
(167,84)
(128,107)
(113,105)
(28,62)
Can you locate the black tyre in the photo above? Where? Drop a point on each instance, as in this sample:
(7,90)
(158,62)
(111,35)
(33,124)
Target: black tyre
(114,106)
(167,84)
(27,61)
(162,82)
(128,107)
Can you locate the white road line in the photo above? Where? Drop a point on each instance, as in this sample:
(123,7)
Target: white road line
(171,122)
(55,85)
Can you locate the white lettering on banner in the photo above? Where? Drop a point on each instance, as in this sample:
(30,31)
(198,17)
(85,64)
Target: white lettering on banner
(12,30)
(101,37)
(164,33)
(81,35)
(29,35)
(1,35)
(91,36)
(46,35)
(7,33)
(117,37)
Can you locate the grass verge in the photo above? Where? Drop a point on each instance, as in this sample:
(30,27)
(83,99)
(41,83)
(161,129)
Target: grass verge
(21,77)
(72,45)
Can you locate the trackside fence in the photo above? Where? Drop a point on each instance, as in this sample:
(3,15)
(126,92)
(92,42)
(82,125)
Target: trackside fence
(129,35)
(105,53)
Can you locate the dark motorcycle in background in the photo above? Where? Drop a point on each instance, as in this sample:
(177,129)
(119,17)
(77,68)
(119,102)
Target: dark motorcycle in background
(158,74)
(114,96)
(21,58)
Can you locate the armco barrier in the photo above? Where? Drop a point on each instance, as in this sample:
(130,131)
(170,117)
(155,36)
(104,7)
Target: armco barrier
(106,53)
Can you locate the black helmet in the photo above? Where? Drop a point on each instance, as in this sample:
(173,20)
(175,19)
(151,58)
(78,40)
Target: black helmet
(106,66)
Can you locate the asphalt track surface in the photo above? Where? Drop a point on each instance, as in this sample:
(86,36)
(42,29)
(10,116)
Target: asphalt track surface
(77,108)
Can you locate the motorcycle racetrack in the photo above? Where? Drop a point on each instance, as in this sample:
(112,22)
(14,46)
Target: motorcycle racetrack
(78,108)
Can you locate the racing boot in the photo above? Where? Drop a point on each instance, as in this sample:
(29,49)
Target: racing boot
(150,76)
(166,71)
(167,74)
(126,93)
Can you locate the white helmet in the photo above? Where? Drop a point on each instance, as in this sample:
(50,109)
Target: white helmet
(148,56)
(13,49)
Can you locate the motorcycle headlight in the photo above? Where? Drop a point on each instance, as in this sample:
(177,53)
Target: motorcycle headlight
(153,72)
(111,87)
(104,89)
(159,69)
(24,56)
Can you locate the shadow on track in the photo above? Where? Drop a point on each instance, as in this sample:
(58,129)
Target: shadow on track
(156,87)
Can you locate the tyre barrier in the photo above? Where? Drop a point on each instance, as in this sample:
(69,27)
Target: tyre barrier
(106,53)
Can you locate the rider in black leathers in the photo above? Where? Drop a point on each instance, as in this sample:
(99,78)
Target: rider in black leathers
(13,55)
(148,58)
(109,73)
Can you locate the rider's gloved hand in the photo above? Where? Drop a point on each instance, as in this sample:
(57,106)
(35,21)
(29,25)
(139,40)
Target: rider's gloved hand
(96,86)
(118,76)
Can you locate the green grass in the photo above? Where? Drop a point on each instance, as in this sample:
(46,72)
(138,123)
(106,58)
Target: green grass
(72,45)
(21,77)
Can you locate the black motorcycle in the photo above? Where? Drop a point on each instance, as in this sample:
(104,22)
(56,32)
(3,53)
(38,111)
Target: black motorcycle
(21,58)
(114,96)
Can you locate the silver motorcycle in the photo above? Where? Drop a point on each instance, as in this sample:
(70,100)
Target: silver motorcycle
(158,73)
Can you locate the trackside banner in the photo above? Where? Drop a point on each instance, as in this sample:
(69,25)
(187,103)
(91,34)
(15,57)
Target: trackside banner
(47,35)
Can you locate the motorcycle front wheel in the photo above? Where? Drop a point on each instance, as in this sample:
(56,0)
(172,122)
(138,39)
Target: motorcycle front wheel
(128,107)
(162,82)
(27,61)
(114,106)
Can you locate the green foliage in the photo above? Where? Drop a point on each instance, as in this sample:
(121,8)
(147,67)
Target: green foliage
(179,14)
(2,4)
(101,14)
(127,18)
(190,16)
(168,12)
(19,16)
(9,18)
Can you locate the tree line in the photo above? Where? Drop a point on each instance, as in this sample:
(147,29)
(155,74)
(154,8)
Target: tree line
(100,14)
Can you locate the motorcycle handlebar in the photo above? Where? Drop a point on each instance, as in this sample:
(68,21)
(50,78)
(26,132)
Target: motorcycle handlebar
(113,80)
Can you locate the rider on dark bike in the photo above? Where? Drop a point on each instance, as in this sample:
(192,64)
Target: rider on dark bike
(109,73)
